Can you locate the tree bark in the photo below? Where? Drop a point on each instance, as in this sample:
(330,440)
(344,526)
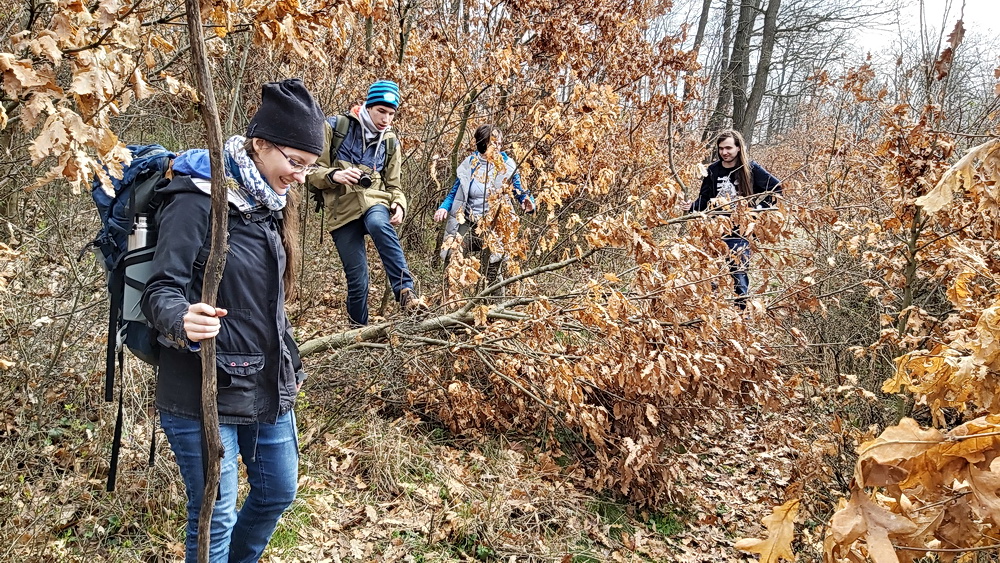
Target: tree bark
(763,68)
(722,104)
(776,117)
(739,64)
(698,38)
(405,25)
(369,34)
(213,275)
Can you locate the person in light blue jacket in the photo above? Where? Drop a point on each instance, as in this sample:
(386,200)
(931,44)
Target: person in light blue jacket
(483,173)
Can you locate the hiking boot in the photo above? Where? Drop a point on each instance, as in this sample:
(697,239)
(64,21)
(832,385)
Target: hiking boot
(410,302)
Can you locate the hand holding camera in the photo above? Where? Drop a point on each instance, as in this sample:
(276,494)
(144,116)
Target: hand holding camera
(351,176)
(347,176)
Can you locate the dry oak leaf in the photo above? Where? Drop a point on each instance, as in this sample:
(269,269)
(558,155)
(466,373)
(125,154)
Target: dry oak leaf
(960,293)
(897,453)
(986,347)
(862,518)
(19,76)
(904,441)
(984,486)
(955,177)
(975,441)
(780,526)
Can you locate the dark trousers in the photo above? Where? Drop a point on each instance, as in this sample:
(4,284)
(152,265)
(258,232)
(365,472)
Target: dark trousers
(739,259)
(350,243)
(472,242)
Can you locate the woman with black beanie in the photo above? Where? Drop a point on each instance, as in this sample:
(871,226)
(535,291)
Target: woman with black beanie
(258,367)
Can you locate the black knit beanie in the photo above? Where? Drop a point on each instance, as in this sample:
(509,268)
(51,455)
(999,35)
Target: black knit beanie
(289,116)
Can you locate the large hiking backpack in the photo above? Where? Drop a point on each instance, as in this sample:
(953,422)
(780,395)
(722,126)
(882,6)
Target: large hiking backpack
(127,219)
(341,125)
(125,246)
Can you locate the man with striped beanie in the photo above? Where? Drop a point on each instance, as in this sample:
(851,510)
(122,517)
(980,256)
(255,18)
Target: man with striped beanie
(358,177)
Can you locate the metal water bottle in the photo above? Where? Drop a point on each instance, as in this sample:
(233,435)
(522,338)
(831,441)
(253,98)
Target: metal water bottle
(139,237)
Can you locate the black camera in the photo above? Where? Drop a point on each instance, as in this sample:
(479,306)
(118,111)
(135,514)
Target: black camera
(365,180)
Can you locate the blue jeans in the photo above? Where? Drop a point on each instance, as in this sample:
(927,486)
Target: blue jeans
(271,455)
(350,242)
(739,259)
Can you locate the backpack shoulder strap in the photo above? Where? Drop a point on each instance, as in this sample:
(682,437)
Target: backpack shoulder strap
(391,143)
(340,125)
(206,247)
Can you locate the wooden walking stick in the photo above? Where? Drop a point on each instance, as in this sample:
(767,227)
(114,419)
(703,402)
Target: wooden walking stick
(214,266)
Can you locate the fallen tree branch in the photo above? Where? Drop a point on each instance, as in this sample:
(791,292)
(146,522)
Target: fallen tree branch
(384,330)
(462,316)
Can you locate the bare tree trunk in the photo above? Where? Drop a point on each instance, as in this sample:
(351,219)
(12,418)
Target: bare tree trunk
(763,68)
(776,118)
(405,25)
(238,87)
(369,32)
(213,276)
(698,38)
(739,64)
(718,118)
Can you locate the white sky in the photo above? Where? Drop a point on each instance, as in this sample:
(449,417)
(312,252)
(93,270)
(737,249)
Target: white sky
(980,17)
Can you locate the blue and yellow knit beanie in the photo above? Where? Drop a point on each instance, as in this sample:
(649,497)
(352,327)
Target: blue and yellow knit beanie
(384,92)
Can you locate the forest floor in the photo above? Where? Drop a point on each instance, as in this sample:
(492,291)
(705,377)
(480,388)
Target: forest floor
(379,489)
(379,484)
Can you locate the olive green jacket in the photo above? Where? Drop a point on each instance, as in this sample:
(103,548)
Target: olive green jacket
(345,203)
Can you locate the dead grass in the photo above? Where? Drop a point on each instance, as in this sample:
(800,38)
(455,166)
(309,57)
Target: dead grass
(377,484)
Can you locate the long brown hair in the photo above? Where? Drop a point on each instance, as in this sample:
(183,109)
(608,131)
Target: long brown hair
(744,178)
(288,227)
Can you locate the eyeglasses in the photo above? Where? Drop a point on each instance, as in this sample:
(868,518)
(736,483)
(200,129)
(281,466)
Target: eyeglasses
(298,166)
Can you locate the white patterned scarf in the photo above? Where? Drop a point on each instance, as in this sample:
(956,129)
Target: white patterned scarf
(249,190)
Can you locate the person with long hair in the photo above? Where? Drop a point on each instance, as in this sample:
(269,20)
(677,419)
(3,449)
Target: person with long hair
(257,362)
(480,175)
(731,179)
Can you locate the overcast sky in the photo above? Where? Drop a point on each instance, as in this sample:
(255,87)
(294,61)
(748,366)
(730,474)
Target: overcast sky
(981,17)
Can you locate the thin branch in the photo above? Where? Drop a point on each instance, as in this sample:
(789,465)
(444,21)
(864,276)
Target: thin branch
(946,235)
(524,275)
(947,549)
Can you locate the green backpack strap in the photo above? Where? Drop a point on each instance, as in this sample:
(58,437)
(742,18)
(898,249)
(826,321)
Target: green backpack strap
(390,147)
(340,125)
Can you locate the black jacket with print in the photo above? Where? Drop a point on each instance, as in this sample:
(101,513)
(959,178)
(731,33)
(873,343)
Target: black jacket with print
(763,183)
(257,361)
